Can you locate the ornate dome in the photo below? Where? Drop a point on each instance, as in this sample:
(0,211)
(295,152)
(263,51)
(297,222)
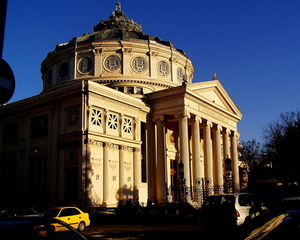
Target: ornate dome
(119,55)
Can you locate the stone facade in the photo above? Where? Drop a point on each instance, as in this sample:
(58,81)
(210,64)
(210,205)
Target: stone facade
(118,118)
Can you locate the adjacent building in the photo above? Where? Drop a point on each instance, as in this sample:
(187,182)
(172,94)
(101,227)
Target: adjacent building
(119,118)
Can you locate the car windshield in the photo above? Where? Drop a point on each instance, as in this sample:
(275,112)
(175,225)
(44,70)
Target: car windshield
(287,205)
(51,213)
(219,200)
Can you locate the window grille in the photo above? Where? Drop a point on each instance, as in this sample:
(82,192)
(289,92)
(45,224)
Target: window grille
(96,117)
(113,121)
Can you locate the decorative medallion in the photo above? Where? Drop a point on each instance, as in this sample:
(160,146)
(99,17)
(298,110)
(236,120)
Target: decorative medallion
(63,70)
(112,63)
(180,75)
(85,65)
(139,64)
(163,68)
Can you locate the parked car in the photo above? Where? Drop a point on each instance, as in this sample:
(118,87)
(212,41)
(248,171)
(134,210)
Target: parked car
(283,226)
(37,228)
(99,213)
(70,215)
(230,210)
(289,203)
(19,212)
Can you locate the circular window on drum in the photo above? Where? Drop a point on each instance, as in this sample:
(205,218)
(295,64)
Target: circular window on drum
(112,63)
(139,64)
(163,68)
(85,65)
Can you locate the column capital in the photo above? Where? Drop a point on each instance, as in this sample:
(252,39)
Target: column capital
(217,127)
(207,124)
(226,131)
(234,134)
(197,119)
(182,114)
(136,149)
(158,117)
(97,51)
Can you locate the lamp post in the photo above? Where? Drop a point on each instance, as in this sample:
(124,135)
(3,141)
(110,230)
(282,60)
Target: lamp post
(228,188)
(182,181)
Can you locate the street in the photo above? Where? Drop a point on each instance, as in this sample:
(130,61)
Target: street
(161,231)
(143,231)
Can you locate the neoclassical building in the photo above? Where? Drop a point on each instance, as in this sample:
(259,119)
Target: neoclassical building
(118,118)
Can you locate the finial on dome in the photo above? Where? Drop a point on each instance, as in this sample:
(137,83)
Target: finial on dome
(118,6)
(214,76)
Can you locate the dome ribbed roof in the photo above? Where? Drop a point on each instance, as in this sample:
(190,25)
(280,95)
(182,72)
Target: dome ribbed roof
(117,27)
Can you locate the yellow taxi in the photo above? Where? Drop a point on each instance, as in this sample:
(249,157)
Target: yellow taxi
(70,215)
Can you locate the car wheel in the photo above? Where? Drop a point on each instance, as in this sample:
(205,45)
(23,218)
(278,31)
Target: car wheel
(81,226)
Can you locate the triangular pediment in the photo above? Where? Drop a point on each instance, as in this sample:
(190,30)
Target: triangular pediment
(213,92)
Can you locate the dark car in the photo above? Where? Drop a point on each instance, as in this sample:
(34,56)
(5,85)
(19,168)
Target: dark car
(19,212)
(35,228)
(283,226)
(289,203)
(99,214)
(231,210)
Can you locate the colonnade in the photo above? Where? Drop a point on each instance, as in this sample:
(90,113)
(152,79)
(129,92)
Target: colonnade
(134,179)
(207,162)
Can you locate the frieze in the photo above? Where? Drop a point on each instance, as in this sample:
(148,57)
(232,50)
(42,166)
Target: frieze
(212,113)
(109,103)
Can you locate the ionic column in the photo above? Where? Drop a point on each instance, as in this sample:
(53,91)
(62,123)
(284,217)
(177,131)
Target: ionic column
(184,144)
(106,172)
(218,158)
(208,160)
(160,164)
(136,171)
(196,150)
(235,167)
(122,182)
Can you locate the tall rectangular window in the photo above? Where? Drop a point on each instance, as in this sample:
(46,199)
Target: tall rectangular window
(37,175)
(73,116)
(39,126)
(10,132)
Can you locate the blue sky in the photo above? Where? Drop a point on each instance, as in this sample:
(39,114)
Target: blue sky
(252,45)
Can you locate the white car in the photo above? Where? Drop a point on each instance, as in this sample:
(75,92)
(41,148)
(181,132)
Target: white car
(231,209)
